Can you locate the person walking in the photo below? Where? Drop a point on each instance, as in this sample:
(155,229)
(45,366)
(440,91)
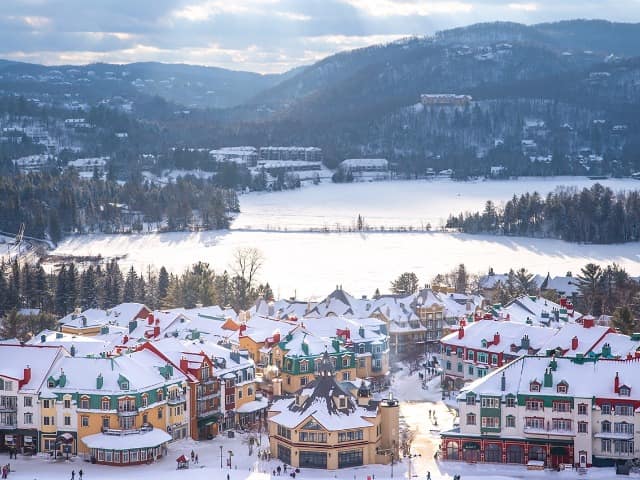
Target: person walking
(196,458)
(193,454)
(428,475)
(80,474)
(73,474)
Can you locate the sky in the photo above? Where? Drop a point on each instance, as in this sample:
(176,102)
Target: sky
(266,36)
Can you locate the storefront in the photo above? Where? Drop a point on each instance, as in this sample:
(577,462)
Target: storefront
(511,451)
(251,414)
(130,449)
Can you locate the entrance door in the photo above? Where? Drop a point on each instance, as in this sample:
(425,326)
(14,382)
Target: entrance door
(583,459)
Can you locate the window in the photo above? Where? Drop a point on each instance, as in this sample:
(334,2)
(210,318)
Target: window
(345,376)
(511,421)
(561,424)
(46,404)
(284,454)
(28,401)
(160,394)
(534,387)
(534,404)
(28,418)
(534,422)
(106,403)
(624,391)
(606,426)
(304,366)
(126,423)
(471,418)
(459,367)
(67,403)
(490,402)
(159,413)
(343,402)
(84,421)
(284,432)
(313,437)
(624,410)
(494,359)
(471,399)
(623,446)
(605,409)
(48,420)
(511,402)
(124,385)
(105,422)
(482,357)
(470,355)
(470,369)
(582,409)
(361,348)
(605,446)
(144,401)
(459,352)
(84,403)
(490,422)
(350,458)
(560,406)
(448,365)
(583,427)
(345,361)
(51,383)
(350,436)
(67,420)
(362,363)
(623,427)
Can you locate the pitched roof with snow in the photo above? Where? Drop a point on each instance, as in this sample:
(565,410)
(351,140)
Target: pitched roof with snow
(40,359)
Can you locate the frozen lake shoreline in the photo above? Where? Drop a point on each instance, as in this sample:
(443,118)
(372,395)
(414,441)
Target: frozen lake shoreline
(310,264)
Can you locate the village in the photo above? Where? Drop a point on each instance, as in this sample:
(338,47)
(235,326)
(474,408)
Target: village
(424,384)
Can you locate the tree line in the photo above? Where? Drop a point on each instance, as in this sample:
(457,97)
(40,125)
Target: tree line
(53,205)
(43,296)
(602,290)
(592,215)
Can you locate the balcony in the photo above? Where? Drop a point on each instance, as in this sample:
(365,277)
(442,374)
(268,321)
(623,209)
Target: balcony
(8,406)
(207,413)
(207,396)
(130,431)
(127,411)
(208,381)
(549,431)
(8,426)
(176,400)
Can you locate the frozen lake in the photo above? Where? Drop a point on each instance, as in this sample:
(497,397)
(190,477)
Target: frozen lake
(311,264)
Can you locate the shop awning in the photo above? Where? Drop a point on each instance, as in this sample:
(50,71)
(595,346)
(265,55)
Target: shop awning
(65,438)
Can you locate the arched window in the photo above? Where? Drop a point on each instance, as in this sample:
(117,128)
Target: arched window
(453,451)
(515,454)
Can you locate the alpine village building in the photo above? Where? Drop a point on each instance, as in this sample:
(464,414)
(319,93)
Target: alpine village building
(324,426)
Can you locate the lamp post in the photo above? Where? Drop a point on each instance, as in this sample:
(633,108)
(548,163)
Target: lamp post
(220,457)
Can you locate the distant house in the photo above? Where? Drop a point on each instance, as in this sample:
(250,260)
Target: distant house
(445,99)
(241,155)
(362,165)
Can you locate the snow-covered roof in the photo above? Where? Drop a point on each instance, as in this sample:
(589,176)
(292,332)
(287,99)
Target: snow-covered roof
(601,374)
(364,162)
(17,358)
(149,439)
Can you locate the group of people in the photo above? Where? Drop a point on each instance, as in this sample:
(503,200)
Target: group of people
(194,457)
(5,470)
(73,474)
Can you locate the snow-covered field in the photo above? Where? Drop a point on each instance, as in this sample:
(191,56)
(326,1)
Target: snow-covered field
(311,264)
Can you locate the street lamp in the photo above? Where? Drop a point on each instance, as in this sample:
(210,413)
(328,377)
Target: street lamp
(220,457)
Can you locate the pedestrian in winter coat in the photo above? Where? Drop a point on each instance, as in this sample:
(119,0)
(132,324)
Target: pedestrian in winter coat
(192,455)
(80,474)
(196,458)
(73,474)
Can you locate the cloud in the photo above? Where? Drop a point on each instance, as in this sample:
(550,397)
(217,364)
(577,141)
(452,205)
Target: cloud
(260,35)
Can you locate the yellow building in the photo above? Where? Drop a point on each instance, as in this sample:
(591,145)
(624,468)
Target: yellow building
(137,395)
(323,426)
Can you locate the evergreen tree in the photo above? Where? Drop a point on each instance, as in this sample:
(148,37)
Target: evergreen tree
(61,306)
(89,289)
(10,325)
(624,321)
(406,284)
(72,287)
(163,284)
(589,284)
(526,285)
(130,283)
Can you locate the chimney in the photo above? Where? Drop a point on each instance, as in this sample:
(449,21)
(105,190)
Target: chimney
(156,331)
(184,364)
(150,319)
(503,382)
(26,376)
(496,338)
(243,327)
(616,383)
(574,343)
(460,333)
(99,382)
(588,321)
(125,339)
(72,350)
(548,378)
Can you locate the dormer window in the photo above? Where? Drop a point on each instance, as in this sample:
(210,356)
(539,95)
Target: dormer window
(625,391)
(534,386)
(484,343)
(343,402)
(563,387)
(51,383)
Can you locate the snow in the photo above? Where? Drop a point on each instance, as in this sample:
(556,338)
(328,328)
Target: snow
(354,258)
(149,439)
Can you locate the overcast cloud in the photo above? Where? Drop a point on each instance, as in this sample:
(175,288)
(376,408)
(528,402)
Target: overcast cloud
(257,35)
